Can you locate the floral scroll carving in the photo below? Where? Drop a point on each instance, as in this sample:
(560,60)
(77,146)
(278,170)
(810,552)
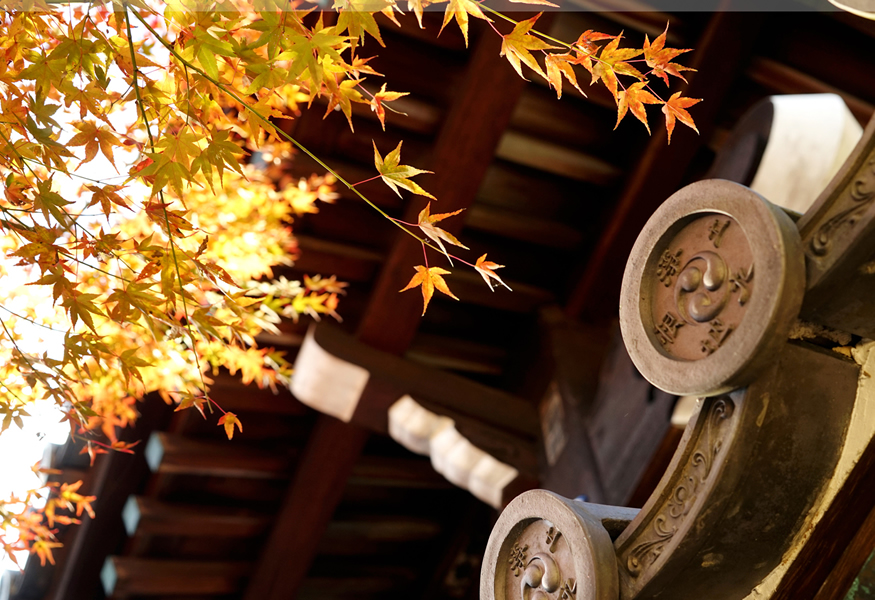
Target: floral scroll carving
(692,481)
(857,196)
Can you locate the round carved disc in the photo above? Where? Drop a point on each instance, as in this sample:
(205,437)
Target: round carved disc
(545,547)
(711,289)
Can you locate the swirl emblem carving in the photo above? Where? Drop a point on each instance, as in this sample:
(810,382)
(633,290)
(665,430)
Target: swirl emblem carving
(699,302)
(541,565)
(688,487)
(541,577)
(700,293)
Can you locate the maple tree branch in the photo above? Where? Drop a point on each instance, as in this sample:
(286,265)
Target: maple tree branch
(11,391)
(142,108)
(514,22)
(15,344)
(23,318)
(276,129)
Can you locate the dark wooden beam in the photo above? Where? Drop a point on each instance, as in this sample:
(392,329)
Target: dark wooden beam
(487,98)
(125,576)
(720,56)
(783,79)
(316,489)
(144,516)
(115,477)
(237,396)
(850,563)
(446,393)
(170,454)
(464,149)
(376,534)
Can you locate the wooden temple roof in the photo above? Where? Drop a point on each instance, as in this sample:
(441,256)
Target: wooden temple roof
(300,505)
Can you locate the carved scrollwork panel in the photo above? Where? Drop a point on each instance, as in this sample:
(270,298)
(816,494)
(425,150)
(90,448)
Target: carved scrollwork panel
(642,550)
(838,234)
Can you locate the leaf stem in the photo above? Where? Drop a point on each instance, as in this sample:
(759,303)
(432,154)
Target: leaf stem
(367,180)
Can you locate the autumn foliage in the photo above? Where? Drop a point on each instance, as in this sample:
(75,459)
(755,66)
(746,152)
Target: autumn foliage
(148,272)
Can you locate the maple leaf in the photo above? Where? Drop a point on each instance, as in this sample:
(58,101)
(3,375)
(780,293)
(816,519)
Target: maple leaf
(634,98)
(229,419)
(461,9)
(43,549)
(94,137)
(80,305)
(70,495)
(356,16)
(379,98)
(418,6)
(486,269)
(586,47)
(429,278)
(343,95)
(190,400)
(92,451)
(396,175)
(659,58)
(611,62)
(426,223)
(106,196)
(517,44)
(557,66)
(676,108)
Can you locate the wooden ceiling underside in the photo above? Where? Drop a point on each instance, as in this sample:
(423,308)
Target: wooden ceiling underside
(302,506)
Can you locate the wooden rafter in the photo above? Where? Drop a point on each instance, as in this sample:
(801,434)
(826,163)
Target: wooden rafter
(463,151)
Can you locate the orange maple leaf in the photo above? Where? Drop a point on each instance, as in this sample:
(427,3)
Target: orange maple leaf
(676,108)
(429,278)
(586,43)
(43,549)
(384,96)
(612,62)
(557,66)
(659,58)
(94,137)
(486,269)
(634,98)
(69,495)
(426,223)
(229,419)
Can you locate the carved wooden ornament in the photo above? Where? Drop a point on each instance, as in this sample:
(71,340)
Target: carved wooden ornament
(712,287)
(544,546)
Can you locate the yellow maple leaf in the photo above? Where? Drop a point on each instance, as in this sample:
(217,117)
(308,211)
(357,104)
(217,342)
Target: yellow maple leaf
(517,44)
(461,9)
(396,175)
(429,278)
(229,419)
